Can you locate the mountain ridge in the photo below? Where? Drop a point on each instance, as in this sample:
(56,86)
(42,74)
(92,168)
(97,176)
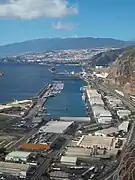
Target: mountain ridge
(47,44)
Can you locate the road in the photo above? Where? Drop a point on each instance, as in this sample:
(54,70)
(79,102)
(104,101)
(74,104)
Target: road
(41,169)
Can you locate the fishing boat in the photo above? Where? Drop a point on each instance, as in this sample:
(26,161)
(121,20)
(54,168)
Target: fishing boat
(1,74)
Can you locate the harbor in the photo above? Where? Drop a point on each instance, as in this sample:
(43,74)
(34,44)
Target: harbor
(68,126)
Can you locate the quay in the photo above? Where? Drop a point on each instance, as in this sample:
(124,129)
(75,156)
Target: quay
(40,100)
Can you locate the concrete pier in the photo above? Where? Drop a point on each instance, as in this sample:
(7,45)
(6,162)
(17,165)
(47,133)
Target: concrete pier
(39,101)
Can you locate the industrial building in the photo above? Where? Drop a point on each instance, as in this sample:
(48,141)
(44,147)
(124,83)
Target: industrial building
(123,113)
(89,141)
(59,127)
(59,175)
(67,160)
(76,119)
(14,169)
(78,152)
(107,131)
(17,156)
(124,126)
(94,97)
(34,147)
(114,102)
(101,115)
(95,146)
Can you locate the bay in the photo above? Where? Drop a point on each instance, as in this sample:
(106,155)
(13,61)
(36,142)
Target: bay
(24,81)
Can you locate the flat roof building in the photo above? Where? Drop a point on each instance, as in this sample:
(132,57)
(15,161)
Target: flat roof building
(17,156)
(77,152)
(56,127)
(124,126)
(76,119)
(14,169)
(67,160)
(123,113)
(107,131)
(91,141)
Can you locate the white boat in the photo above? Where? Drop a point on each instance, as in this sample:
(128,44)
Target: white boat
(83,96)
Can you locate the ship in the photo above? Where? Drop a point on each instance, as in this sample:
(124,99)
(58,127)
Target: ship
(52,69)
(1,74)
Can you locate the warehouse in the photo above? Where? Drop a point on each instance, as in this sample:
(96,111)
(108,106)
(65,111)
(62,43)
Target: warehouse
(59,127)
(17,156)
(104,120)
(78,152)
(66,160)
(124,126)
(114,102)
(93,96)
(101,115)
(76,119)
(123,113)
(107,131)
(88,141)
(14,169)
(97,110)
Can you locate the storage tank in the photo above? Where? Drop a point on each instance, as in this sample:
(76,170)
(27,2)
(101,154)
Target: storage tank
(35,147)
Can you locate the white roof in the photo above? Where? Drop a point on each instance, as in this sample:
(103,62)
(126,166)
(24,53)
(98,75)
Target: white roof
(100,111)
(55,127)
(75,119)
(107,131)
(106,113)
(5,107)
(104,120)
(96,140)
(68,159)
(124,126)
(126,111)
(8,165)
(77,151)
(19,154)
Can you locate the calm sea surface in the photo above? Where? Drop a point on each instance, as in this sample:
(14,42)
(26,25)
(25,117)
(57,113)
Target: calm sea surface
(24,81)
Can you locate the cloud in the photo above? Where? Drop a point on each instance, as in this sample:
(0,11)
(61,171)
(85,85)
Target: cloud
(64,26)
(32,9)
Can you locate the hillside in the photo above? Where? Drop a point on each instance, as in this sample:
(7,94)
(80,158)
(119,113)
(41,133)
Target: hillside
(46,44)
(122,71)
(106,58)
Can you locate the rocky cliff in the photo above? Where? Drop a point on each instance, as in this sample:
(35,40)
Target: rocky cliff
(122,72)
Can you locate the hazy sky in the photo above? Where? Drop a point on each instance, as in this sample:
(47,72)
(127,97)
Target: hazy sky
(29,19)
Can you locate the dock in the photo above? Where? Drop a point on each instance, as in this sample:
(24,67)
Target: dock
(40,99)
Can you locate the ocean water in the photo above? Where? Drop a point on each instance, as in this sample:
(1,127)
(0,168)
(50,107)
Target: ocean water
(24,81)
